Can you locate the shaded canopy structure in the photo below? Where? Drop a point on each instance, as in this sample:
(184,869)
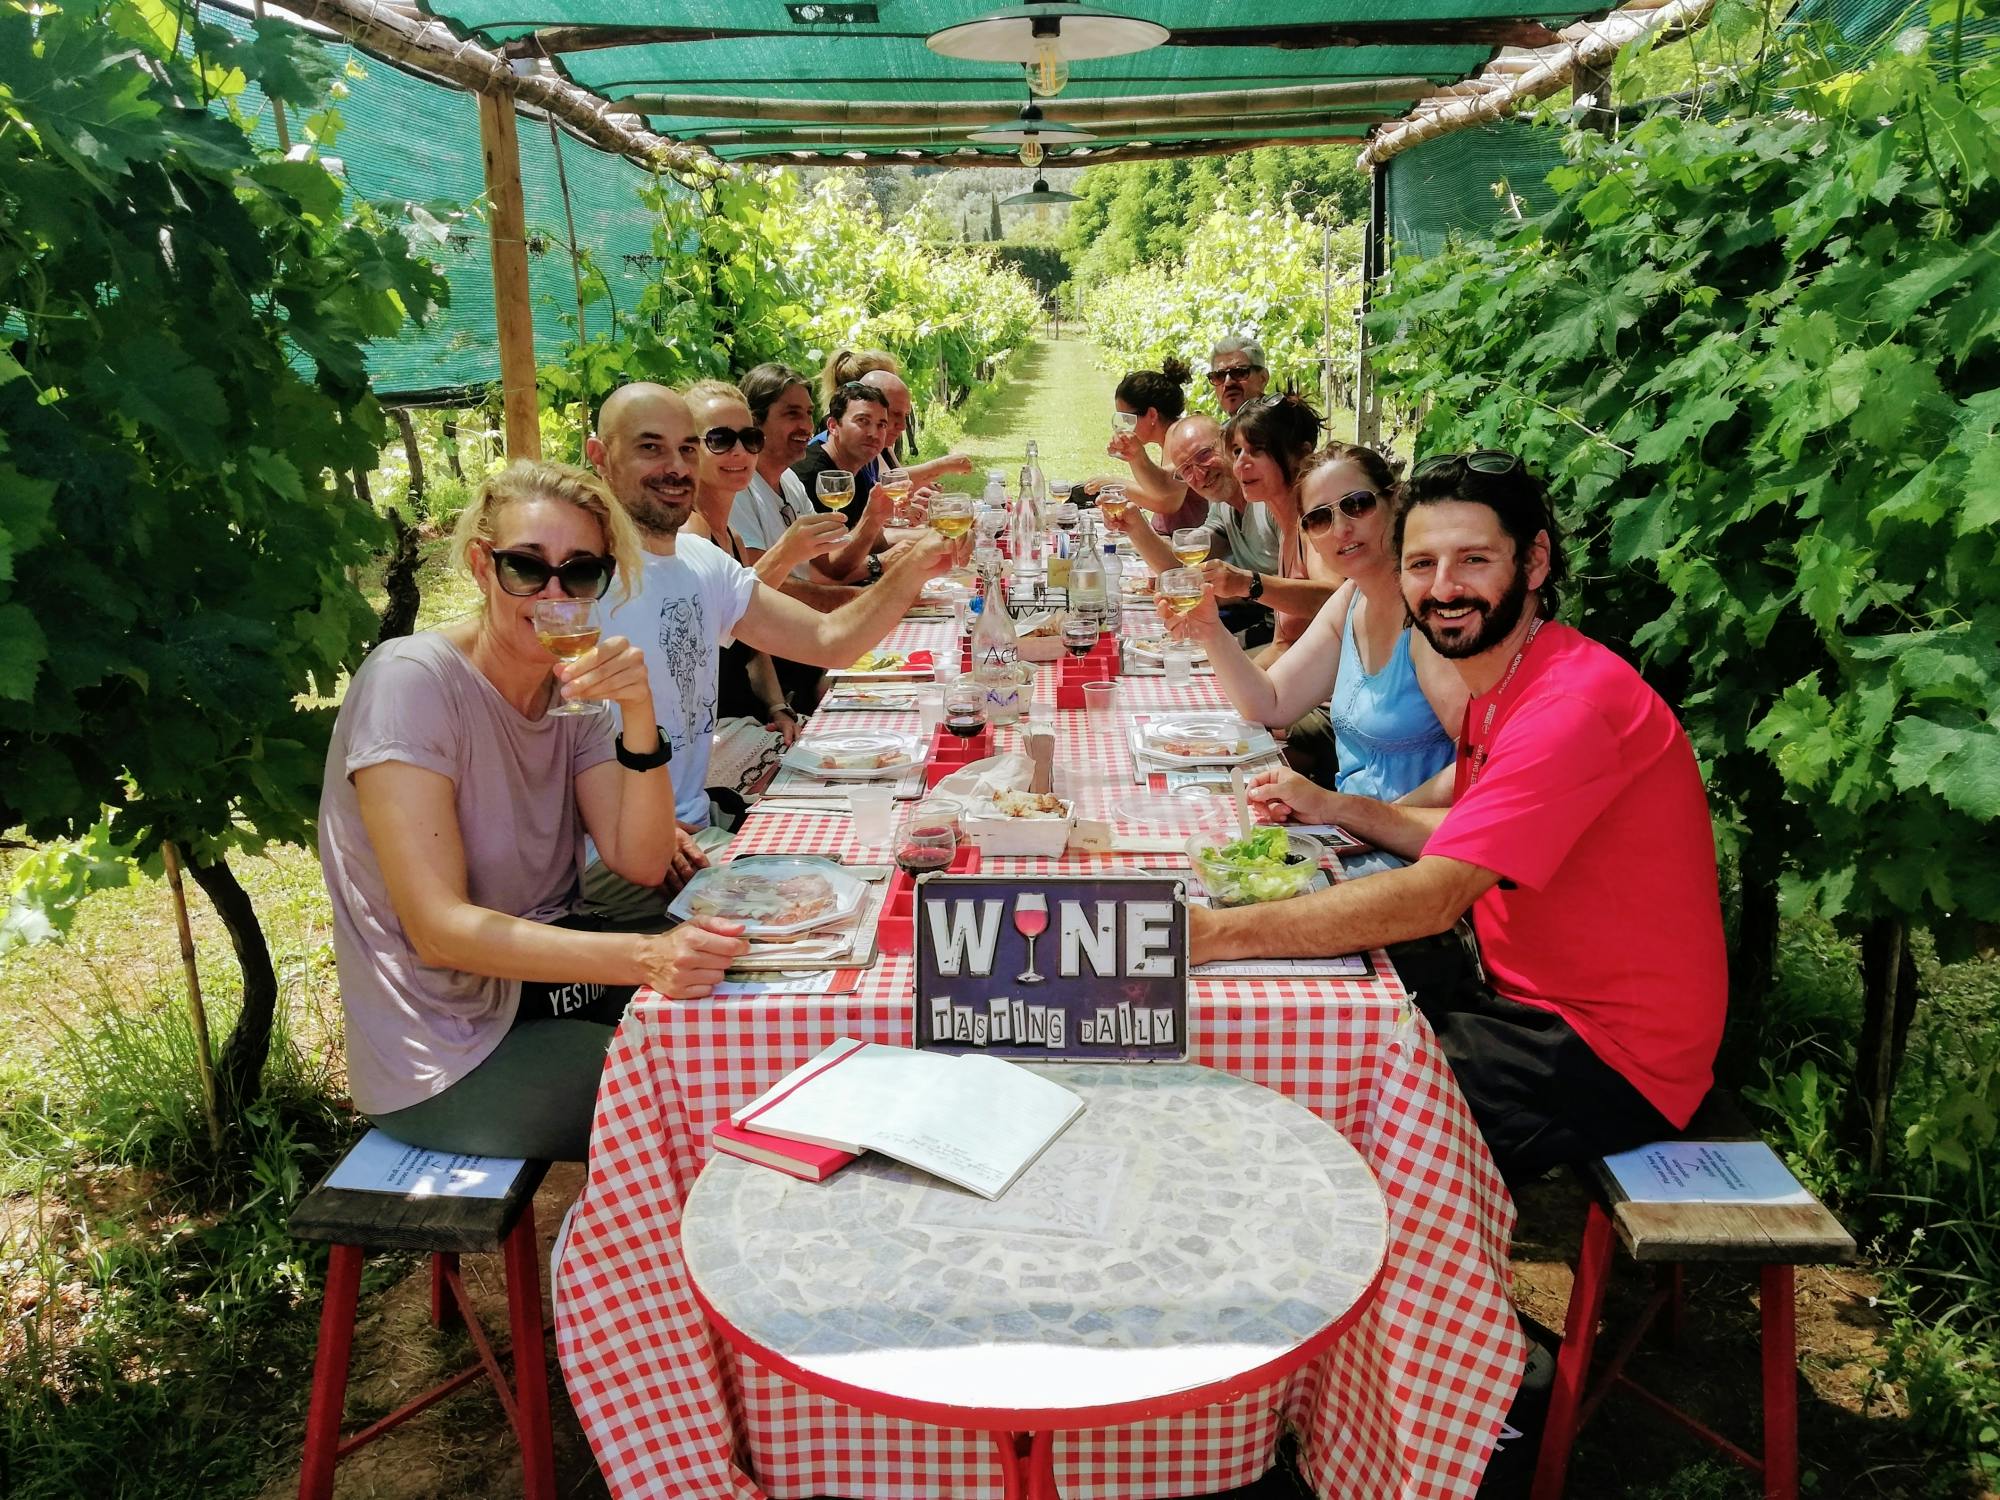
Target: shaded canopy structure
(773,82)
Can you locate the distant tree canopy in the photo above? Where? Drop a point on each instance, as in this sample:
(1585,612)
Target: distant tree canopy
(1133,213)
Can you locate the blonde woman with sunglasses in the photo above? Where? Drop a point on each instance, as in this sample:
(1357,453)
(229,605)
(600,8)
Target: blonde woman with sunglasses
(1393,702)
(451,835)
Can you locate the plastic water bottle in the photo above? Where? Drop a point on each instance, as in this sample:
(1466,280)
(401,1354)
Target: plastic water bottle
(1114,583)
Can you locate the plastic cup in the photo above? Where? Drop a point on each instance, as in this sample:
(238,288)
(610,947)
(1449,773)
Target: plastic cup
(1100,701)
(871,807)
(1179,668)
(1042,716)
(930,710)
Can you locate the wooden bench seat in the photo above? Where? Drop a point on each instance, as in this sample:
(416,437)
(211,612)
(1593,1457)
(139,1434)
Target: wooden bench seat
(1773,1237)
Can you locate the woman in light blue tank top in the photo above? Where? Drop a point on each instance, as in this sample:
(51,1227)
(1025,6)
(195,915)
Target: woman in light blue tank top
(1394,727)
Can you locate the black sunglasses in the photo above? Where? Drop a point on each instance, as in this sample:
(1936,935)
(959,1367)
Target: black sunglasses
(720,439)
(1235,372)
(523,574)
(1354,505)
(1493,461)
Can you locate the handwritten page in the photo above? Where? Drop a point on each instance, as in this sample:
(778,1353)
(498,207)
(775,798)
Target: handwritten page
(1705,1172)
(383,1164)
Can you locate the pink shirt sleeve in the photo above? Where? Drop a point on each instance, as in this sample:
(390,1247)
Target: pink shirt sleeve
(399,709)
(1554,767)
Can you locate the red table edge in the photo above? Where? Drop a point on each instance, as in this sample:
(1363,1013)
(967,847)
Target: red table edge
(1049,1419)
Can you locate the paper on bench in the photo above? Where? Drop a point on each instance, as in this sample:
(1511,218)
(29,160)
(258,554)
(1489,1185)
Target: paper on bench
(382,1164)
(1705,1172)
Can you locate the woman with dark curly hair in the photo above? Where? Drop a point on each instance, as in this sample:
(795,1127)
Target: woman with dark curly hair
(1155,400)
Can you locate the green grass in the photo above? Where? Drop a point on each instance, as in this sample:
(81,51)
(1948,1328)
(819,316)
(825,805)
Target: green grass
(1056,394)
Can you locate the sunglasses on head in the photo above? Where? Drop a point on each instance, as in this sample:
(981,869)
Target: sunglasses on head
(722,439)
(1493,461)
(1354,505)
(1234,372)
(525,574)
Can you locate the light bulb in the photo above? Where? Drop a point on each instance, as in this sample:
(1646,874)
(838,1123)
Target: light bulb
(1047,70)
(1031,153)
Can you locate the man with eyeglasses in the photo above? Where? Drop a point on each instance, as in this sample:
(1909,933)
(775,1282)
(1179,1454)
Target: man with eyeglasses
(1578,839)
(1236,371)
(692,596)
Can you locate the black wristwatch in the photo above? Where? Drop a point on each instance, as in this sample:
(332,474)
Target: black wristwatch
(652,760)
(874,568)
(1256,585)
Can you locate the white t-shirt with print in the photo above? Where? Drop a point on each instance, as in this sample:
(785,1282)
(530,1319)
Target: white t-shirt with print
(688,604)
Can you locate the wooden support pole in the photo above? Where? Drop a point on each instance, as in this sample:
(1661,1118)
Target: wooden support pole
(1592,81)
(204,1054)
(1374,254)
(513,307)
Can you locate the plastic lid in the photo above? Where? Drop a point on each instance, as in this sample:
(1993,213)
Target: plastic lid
(976,604)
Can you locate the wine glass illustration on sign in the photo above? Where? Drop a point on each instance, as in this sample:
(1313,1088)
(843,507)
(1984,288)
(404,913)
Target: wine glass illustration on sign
(1031,920)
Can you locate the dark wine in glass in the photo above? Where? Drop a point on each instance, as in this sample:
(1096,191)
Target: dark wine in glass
(926,848)
(965,726)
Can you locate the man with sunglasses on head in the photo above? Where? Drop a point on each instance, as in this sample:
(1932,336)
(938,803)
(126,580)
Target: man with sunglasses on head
(1236,371)
(693,595)
(1578,839)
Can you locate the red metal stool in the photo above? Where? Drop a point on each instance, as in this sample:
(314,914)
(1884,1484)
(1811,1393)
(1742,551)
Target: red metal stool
(446,1228)
(1773,1237)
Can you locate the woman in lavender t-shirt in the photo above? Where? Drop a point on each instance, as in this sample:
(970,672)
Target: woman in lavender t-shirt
(451,834)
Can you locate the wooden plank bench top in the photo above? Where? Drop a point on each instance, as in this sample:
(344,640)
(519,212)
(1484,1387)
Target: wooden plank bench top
(393,1221)
(1753,1233)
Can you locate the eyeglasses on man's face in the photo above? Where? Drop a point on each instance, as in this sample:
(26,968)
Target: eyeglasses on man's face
(1224,374)
(1197,464)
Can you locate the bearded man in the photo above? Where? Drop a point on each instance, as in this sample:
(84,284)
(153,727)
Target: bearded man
(1578,838)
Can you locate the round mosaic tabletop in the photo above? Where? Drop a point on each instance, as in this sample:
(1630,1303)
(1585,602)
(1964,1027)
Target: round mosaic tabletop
(1189,1229)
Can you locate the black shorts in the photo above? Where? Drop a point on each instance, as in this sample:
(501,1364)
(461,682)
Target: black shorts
(1541,1096)
(577,1000)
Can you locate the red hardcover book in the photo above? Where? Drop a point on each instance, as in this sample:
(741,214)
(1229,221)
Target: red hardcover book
(813,1163)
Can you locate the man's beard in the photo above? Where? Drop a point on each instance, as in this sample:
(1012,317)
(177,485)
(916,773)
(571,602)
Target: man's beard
(657,515)
(1496,620)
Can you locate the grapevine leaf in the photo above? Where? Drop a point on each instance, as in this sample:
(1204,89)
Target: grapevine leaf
(23,649)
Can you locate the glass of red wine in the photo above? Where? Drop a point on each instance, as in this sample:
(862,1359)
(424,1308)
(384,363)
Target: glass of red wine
(1079,633)
(927,845)
(965,708)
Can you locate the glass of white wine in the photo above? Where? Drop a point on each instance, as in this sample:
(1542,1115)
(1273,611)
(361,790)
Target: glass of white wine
(835,488)
(567,630)
(1111,500)
(951,515)
(1191,544)
(1182,589)
(895,485)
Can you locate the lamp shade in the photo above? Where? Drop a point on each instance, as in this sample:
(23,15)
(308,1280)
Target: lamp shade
(1040,195)
(1030,126)
(1079,31)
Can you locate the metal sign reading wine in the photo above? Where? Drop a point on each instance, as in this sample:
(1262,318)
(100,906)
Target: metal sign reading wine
(1072,968)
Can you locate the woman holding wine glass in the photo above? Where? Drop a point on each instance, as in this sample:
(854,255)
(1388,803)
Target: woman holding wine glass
(1144,405)
(451,834)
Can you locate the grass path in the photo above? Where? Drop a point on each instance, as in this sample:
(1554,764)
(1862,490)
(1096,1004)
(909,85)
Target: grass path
(1055,393)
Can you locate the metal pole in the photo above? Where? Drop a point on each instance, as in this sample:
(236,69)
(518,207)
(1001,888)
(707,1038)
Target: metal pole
(1367,408)
(1326,320)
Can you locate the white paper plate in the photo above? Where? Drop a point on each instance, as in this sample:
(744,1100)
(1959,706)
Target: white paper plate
(1205,739)
(858,755)
(757,889)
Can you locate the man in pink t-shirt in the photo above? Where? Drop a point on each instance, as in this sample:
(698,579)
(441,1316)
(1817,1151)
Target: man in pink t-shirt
(1578,839)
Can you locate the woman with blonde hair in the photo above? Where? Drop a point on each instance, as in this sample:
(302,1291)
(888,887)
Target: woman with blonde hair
(451,834)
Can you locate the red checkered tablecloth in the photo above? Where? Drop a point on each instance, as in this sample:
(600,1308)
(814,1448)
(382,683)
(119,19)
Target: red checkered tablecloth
(1406,1405)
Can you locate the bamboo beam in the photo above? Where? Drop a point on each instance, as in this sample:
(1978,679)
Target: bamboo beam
(1590,44)
(1003,111)
(1207,146)
(513,310)
(422,43)
(884,139)
(1310,37)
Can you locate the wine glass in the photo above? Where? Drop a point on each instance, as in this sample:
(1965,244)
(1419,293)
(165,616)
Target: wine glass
(1182,589)
(1124,423)
(1079,634)
(895,485)
(1031,920)
(1112,502)
(951,515)
(835,488)
(965,707)
(567,630)
(927,845)
(1191,544)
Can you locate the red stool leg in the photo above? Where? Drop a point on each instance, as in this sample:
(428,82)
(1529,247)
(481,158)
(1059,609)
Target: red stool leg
(1586,1305)
(444,1308)
(329,1387)
(531,1379)
(1781,1395)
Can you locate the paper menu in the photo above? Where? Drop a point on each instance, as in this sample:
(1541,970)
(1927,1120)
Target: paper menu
(1746,1172)
(382,1164)
(973,1120)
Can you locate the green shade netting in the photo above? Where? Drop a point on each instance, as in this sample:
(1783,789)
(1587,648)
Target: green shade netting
(403,137)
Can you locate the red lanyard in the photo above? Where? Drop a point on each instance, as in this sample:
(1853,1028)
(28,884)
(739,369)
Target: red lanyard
(1476,761)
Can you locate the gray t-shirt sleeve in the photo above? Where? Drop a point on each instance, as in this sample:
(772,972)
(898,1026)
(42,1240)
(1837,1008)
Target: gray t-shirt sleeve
(593,744)
(400,709)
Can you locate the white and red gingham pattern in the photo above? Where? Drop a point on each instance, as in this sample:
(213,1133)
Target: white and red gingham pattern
(1405,1405)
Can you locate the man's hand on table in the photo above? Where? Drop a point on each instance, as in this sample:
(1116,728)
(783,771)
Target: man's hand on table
(1282,795)
(689,962)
